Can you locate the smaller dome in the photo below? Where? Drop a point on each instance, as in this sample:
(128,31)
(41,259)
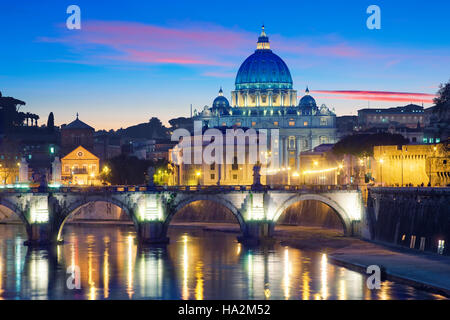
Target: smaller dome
(307,101)
(220,102)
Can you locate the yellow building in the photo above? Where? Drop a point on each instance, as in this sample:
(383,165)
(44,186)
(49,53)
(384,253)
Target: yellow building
(80,167)
(412,165)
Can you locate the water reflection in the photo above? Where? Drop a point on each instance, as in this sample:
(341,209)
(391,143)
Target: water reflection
(196,265)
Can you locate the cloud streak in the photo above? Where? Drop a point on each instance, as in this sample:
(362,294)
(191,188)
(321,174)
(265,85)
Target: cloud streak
(388,96)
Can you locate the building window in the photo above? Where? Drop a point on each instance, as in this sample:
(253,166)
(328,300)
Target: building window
(305,123)
(291,123)
(275,123)
(66,169)
(253,123)
(323,122)
(224,124)
(323,139)
(234,176)
(212,166)
(238,124)
(213,176)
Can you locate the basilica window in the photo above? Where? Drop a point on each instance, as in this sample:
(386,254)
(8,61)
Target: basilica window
(323,139)
(291,142)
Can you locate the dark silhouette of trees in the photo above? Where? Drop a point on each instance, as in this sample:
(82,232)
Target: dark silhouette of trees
(442,102)
(153,129)
(126,170)
(51,122)
(362,144)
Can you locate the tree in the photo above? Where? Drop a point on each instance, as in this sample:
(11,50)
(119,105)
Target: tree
(362,144)
(51,122)
(127,170)
(442,102)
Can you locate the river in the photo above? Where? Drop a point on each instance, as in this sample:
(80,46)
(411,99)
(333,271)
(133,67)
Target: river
(196,264)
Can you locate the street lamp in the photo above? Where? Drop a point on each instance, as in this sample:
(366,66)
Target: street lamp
(198,174)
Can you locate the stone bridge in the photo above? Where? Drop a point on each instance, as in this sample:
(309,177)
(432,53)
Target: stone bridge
(44,211)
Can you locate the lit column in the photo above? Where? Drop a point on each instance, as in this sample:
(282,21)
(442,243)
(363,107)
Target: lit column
(297,152)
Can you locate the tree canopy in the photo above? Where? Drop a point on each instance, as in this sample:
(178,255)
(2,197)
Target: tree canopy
(442,102)
(362,144)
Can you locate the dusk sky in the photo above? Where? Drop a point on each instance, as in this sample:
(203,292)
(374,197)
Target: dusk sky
(133,60)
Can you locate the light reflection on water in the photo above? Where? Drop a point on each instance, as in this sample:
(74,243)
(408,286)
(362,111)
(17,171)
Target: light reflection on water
(196,265)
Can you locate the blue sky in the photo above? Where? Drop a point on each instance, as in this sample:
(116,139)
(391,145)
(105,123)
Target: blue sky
(132,60)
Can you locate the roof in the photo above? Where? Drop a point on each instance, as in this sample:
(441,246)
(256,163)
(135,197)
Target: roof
(410,108)
(78,124)
(80,153)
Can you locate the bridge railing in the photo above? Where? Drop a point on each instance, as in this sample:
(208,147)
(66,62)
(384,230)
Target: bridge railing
(143,188)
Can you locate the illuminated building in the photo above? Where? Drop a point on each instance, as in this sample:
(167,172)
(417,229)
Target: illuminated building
(319,167)
(80,167)
(264,98)
(77,133)
(409,116)
(412,165)
(210,174)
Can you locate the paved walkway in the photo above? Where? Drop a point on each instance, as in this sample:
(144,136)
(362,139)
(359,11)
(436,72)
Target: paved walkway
(422,270)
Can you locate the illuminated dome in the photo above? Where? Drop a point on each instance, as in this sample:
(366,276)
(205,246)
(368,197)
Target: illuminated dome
(308,104)
(220,102)
(263,69)
(307,101)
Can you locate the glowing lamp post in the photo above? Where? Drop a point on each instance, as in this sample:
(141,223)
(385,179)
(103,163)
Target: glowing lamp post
(198,174)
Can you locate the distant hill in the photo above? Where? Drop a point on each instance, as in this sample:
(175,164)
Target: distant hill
(150,130)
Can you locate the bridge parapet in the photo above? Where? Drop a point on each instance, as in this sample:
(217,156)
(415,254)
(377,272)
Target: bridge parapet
(152,208)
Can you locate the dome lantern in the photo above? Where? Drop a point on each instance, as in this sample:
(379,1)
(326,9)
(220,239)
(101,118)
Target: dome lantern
(263,41)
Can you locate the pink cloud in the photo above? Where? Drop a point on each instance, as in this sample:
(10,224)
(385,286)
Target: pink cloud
(388,96)
(141,43)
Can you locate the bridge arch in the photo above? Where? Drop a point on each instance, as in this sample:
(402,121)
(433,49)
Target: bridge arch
(341,213)
(14,208)
(183,202)
(81,203)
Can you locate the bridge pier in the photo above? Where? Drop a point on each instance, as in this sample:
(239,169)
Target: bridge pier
(258,233)
(152,232)
(39,235)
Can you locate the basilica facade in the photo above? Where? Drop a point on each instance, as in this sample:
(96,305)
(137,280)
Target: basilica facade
(264,98)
